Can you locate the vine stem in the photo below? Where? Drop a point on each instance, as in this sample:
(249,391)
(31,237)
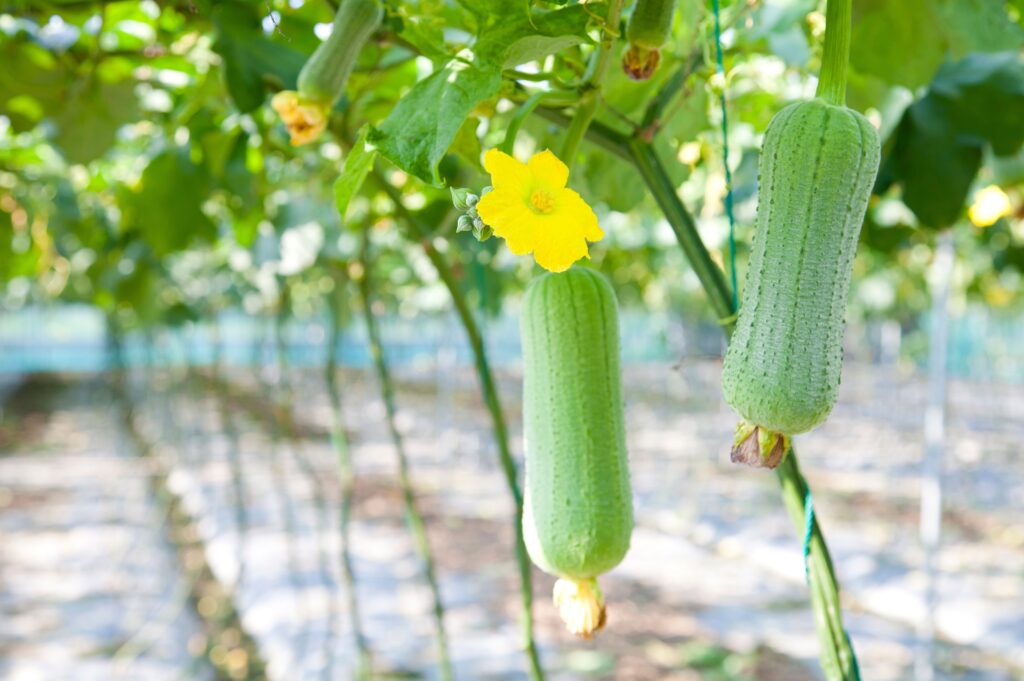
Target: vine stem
(591,89)
(307,469)
(493,403)
(836,651)
(832,79)
(346,477)
(130,411)
(520,116)
(414,518)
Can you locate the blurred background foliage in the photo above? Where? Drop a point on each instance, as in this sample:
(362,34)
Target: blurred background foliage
(142,171)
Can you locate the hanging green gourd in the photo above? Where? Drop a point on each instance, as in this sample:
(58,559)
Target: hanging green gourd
(818,165)
(322,79)
(578,514)
(649,28)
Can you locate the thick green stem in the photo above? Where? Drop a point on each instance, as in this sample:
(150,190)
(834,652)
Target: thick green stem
(597,133)
(832,79)
(836,653)
(520,116)
(346,478)
(491,400)
(593,79)
(646,161)
(417,526)
(585,112)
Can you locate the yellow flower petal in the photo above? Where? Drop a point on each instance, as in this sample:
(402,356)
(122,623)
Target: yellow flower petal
(305,118)
(506,172)
(578,211)
(548,169)
(530,208)
(510,217)
(556,253)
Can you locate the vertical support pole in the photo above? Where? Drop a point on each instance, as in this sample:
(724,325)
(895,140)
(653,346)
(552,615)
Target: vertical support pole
(939,275)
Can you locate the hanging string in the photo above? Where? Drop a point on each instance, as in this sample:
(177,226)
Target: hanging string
(808,530)
(720,65)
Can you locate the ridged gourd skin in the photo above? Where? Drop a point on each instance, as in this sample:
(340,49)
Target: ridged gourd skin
(327,70)
(578,515)
(651,23)
(818,166)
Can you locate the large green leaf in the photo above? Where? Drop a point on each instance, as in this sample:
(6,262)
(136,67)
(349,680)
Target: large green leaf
(899,42)
(32,83)
(510,33)
(935,165)
(418,132)
(251,59)
(987,96)
(905,42)
(977,26)
(88,122)
(940,141)
(167,207)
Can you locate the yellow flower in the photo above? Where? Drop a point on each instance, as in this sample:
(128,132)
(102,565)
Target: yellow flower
(533,211)
(990,204)
(305,118)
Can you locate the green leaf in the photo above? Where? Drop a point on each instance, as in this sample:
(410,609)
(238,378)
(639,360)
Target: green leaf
(986,92)
(467,145)
(690,117)
(780,25)
(235,176)
(510,33)
(426,34)
(19,256)
(353,174)
(900,42)
(935,165)
(250,58)
(419,130)
(940,141)
(167,208)
(247,228)
(88,123)
(31,83)
(978,26)
(905,42)
(612,181)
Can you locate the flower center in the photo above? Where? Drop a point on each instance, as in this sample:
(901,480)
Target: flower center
(542,201)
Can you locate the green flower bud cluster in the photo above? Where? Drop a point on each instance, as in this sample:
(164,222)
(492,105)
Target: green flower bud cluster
(470,221)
